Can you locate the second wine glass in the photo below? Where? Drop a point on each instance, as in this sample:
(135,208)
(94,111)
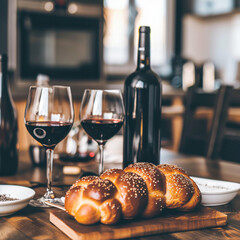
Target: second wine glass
(101,116)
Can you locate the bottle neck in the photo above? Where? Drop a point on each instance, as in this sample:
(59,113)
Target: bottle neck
(143,61)
(3,75)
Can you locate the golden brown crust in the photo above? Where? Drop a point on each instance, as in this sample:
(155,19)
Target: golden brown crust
(88,213)
(150,173)
(194,202)
(89,203)
(132,194)
(112,174)
(132,191)
(100,190)
(110,211)
(141,189)
(155,181)
(84,181)
(171,169)
(181,191)
(73,199)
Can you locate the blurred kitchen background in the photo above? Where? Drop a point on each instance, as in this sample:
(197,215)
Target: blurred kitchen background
(93,44)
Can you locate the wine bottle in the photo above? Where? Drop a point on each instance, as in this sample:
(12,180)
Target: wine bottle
(142,95)
(8,125)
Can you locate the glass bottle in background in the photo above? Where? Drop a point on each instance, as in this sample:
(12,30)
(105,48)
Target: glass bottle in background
(142,95)
(77,146)
(8,125)
(37,152)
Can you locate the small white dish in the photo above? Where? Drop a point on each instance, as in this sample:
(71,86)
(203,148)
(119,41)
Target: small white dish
(216,192)
(20,193)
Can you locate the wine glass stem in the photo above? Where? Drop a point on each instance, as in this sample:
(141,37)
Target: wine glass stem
(100,169)
(49,194)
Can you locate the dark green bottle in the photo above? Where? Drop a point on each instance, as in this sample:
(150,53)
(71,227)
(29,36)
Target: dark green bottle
(142,95)
(8,125)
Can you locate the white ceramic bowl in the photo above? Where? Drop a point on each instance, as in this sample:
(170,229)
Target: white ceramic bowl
(216,192)
(22,194)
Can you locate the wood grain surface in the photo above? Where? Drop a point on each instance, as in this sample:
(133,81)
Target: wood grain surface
(168,223)
(34,223)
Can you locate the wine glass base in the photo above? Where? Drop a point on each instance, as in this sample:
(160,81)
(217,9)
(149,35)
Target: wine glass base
(41,202)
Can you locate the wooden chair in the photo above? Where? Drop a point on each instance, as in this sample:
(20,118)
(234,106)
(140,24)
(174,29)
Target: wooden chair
(228,147)
(200,133)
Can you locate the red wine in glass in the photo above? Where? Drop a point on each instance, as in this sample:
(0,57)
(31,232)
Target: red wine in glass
(101,129)
(101,115)
(48,133)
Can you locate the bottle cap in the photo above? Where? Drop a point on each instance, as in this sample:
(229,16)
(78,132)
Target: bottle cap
(144,29)
(42,80)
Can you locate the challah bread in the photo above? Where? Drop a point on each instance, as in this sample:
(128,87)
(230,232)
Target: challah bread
(155,180)
(182,192)
(180,189)
(132,191)
(141,189)
(92,199)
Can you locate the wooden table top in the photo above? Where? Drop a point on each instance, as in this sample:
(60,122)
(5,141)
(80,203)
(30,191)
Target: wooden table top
(33,223)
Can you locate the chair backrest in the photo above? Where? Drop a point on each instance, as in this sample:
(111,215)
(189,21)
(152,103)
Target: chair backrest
(228,146)
(198,136)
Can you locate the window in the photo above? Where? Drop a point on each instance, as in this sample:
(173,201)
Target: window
(116,32)
(122,21)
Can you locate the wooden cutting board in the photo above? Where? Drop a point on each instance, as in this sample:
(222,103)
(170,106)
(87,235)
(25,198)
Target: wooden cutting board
(174,222)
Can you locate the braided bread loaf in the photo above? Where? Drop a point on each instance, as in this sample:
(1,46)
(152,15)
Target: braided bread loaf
(141,189)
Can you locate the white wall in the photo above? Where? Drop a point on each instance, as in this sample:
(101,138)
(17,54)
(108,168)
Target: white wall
(216,39)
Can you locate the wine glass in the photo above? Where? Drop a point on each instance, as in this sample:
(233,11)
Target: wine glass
(101,116)
(48,118)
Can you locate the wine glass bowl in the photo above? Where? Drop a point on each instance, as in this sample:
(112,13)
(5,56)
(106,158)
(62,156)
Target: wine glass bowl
(48,118)
(102,116)
(48,133)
